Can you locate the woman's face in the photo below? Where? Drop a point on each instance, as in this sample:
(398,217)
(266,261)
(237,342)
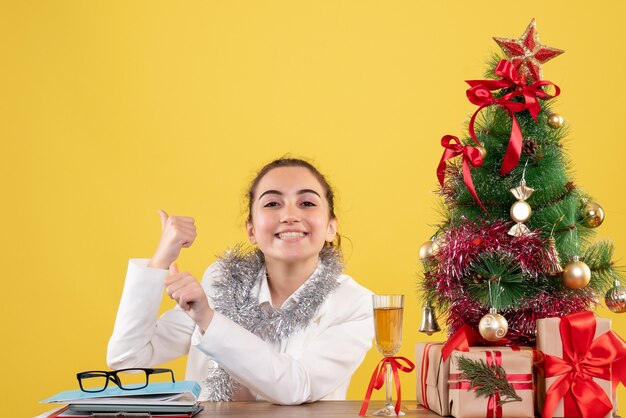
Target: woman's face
(290,216)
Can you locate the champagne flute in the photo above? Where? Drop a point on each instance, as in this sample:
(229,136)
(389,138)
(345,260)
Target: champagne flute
(388,326)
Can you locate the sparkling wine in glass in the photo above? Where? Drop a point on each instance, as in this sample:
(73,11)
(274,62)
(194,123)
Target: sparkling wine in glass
(388,326)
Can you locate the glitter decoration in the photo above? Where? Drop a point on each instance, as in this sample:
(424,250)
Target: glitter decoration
(522,321)
(527,54)
(460,245)
(219,385)
(241,267)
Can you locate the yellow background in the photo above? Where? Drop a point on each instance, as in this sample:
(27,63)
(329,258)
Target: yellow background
(110,110)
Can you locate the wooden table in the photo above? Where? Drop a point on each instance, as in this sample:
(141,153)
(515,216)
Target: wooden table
(322,409)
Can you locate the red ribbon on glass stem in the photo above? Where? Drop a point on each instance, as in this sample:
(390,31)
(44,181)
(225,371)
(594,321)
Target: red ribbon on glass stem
(378,379)
(471,156)
(583,359)
(480,94)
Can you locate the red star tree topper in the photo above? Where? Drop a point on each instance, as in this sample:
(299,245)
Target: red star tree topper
(527,54)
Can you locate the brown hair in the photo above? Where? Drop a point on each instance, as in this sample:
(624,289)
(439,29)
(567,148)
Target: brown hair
(293,162)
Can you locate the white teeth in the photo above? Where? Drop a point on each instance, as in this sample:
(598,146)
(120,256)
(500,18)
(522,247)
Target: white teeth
(288,235)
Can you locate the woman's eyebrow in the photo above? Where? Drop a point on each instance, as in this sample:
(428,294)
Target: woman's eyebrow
(270,192)
(303,191)
(279,193)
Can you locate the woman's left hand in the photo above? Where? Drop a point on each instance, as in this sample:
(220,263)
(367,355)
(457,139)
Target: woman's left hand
(190,296)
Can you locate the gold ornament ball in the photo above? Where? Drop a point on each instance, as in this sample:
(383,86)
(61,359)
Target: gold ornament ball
(427,250)
(483,152)
(615,298)
(576,274)
(593,215)
(520,211)
(555,120)
(493,326)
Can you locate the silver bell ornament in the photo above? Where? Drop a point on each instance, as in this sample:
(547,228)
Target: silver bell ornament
(429,323)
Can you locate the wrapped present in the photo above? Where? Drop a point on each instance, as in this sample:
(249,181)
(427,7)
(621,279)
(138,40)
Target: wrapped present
(433,367)
(432,377)
(466,398)
(579,351)
(433,370)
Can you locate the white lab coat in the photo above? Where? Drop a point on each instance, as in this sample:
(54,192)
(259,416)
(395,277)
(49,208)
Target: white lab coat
(314,363)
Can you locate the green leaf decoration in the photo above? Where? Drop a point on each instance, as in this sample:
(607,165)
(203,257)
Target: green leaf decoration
(487,381)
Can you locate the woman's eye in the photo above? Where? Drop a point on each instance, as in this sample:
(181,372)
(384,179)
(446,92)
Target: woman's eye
(309,204)
(270,204)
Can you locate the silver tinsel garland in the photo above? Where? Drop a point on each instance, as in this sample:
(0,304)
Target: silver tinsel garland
(240,267)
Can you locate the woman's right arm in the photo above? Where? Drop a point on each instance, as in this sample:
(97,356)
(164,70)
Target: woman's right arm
(139,339)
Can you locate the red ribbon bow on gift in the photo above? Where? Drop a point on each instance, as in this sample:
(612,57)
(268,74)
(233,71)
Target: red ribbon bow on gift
(471,156)
(480,94)
(464,338)
(583,359)
(378,379)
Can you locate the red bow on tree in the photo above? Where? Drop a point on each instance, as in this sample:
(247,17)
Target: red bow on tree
(480,94)
(471,156)
(583,359)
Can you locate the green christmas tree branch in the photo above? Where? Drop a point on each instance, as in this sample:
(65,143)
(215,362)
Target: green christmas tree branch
(598,256)
(487,381)
(496,280)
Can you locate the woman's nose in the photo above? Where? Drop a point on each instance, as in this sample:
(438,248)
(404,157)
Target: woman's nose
(289,214)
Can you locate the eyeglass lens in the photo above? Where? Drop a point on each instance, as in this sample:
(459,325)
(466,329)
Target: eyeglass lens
(132,378)
(93,381)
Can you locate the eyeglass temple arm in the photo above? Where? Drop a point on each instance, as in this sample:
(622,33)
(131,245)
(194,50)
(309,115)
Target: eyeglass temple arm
(170,371)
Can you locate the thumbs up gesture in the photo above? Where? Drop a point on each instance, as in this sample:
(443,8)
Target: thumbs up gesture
(190,296)
(177,232)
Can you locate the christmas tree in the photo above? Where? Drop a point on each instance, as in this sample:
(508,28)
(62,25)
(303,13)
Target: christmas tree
(516,242)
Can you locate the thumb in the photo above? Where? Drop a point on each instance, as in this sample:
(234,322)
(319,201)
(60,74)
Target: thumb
(173,269)
(164,217)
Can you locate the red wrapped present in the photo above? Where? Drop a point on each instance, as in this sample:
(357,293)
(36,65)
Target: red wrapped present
(465,402)
(581,363)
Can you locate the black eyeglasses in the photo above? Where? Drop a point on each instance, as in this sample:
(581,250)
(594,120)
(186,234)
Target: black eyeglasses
(127,379)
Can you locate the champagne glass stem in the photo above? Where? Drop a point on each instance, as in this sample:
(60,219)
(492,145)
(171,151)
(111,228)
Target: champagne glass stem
(388,385)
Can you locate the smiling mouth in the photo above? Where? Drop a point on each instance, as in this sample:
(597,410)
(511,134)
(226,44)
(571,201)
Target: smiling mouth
(291,235)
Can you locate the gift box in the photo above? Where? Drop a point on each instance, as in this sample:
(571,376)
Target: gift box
(465,402)
(432,377)
(433,373)
(578,351)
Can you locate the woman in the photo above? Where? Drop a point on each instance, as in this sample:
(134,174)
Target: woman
(280,322)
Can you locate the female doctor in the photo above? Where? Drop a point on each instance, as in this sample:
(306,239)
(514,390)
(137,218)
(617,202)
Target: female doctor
(279,322)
